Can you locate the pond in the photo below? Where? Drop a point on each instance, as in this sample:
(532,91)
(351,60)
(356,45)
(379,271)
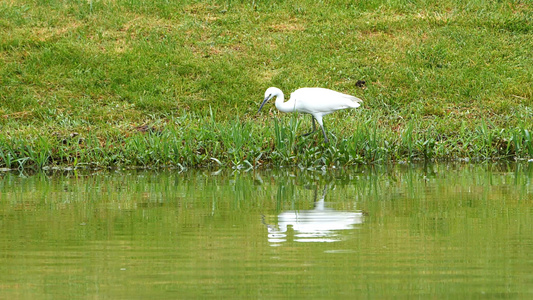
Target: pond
(435,230)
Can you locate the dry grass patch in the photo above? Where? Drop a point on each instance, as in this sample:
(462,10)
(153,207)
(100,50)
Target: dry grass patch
(287,27)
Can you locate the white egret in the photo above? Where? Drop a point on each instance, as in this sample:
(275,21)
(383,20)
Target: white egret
(317,102)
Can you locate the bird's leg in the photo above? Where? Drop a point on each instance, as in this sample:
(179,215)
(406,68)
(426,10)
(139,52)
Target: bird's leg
(314,127)
(324,132)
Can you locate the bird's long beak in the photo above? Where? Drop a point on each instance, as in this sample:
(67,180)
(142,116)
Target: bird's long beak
(264,101)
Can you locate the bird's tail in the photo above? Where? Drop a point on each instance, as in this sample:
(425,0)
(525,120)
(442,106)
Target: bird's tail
(356,101)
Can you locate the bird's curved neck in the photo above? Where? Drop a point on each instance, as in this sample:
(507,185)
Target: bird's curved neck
(283,106)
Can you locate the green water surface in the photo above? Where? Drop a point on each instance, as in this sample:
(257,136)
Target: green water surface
(426,231)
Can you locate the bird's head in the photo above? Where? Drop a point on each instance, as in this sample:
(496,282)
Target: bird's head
(270,93)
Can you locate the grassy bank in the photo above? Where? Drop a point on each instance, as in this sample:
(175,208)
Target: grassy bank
(178,83)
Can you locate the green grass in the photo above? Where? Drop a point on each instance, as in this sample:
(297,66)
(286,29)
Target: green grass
(178,83)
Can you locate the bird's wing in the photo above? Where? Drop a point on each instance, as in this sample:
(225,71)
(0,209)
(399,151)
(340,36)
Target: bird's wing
(320,100)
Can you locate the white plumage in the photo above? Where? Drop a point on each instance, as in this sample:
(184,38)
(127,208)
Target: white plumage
(317,102)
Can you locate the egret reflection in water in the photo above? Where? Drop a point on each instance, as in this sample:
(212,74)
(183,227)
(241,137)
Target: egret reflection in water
(320,224)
